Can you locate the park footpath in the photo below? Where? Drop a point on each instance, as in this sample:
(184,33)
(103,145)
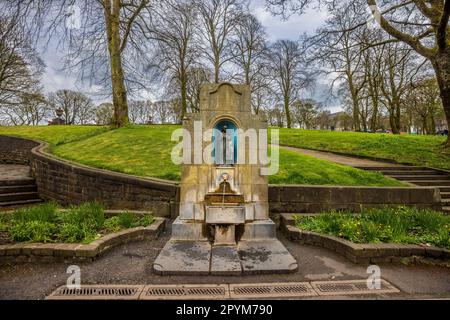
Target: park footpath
(412,175)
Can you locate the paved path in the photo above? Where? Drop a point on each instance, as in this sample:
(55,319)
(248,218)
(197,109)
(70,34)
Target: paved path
(14,172)
(346,160)
(132,263)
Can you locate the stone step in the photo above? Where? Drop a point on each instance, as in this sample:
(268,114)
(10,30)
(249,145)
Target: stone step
(419,177)
(437,183)
(412,172)
(393,168)
(445,201)
(445,195)
(8,197)
(19,203)
(443,188)
(14,189)
(17,182)
(446,210)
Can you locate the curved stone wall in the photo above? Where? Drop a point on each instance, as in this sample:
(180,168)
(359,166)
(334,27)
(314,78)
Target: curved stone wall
(14,150)
(70,183)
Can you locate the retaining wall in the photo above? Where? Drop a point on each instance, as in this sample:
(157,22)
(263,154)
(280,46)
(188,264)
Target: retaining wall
(15,150)
(70,183)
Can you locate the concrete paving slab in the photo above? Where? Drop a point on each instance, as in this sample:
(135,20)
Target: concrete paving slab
(225,261)
(265,256)
(187,257)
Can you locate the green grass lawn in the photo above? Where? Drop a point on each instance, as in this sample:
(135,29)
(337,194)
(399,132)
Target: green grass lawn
(383,225)
(55,135)
(418,150)
(145,151)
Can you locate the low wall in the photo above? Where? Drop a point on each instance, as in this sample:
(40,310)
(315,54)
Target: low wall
(70,183)
(313,199)
(15,150)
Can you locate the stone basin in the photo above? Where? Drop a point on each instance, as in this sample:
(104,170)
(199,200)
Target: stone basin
(225,214)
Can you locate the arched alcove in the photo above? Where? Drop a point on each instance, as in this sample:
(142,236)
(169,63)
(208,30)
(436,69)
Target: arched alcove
(225,142)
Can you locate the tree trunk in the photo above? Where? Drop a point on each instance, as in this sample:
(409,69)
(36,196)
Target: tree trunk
(288,114)
(354,96)
(183,96)
(441,66)
(119,93)
(216,69)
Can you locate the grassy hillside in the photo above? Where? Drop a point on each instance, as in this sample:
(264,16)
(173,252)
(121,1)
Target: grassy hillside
(145,151)
(408,149)
(55,135)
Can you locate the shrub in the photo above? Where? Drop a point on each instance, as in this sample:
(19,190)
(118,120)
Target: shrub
(112,224)
(35,231)
(145,221)
(80,223)
(44,213)
(126,219)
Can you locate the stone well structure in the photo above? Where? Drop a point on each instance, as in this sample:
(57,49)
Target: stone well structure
(224,225)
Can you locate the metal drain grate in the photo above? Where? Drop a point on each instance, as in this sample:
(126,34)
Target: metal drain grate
(174,292)
(350,287)
(97,292)
(271,290)
(220,291)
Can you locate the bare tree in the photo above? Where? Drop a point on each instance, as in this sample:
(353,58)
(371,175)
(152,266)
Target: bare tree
(20,66)
(289,75)
(77,108)
(305,112)
(218,22)
(423,100)
(104,114)
(106,32)
(173,26)
(250,45)
(142,112)
(421,24)
(197,77)
(342,55)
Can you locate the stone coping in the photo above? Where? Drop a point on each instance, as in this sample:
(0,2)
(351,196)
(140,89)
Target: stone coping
(24,252)
(360,252)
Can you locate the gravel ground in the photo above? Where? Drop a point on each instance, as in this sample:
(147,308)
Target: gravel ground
(132,264)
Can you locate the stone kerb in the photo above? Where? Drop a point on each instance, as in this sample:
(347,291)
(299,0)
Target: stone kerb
(49,252)
(361,253)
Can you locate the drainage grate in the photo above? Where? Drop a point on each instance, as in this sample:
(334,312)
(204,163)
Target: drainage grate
(350,287)
(173,292)
(271,290)
(97,292)
(220,291)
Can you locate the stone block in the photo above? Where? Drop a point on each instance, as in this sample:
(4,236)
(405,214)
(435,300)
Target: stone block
(433,252)
(184,257)
(341,195)
(249,212)
(44,249)
(260,229)
(225,261)
(86,251)
(261,210)
(188,230)
(265,256)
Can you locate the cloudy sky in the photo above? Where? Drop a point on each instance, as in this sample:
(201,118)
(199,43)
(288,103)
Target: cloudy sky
(55,78)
